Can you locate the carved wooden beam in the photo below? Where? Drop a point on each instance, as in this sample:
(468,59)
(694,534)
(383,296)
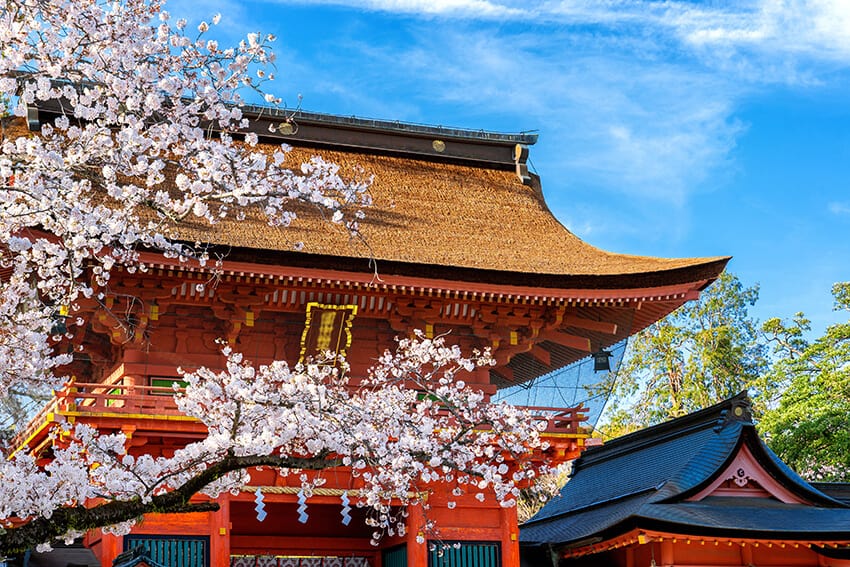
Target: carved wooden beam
(589,324)
(505,372)
(567,340)
(541,355)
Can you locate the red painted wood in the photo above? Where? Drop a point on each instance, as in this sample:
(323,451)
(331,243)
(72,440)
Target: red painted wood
(408,282)
(510,537)
(417,553)
(118,396)
(220,533)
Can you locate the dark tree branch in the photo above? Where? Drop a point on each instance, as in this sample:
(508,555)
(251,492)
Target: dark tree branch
(81,518)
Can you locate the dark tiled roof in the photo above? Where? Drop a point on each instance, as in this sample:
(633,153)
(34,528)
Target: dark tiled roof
(583,524)
(646,460)
(136,557)
(643,479)
(63,555)
(757,517)
(838,490)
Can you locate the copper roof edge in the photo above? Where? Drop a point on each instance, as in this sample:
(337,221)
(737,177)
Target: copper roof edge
(700,269)
(714,416)
(411,128)
(480,147)
(301,127)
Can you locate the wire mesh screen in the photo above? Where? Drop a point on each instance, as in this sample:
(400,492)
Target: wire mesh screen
(571,386)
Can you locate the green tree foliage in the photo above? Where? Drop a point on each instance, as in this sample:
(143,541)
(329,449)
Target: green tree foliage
(704,352)
(809,427)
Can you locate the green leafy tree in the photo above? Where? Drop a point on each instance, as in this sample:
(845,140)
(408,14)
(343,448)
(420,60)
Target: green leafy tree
(809,427)
(702,353)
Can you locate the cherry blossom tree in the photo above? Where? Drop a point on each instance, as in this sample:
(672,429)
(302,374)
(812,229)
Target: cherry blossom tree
(400,442)
(150,134)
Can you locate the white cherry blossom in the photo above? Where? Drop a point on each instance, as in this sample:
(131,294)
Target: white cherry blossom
(131,156)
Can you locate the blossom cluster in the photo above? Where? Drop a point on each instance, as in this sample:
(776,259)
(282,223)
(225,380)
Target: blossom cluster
(399,441)
(150,132)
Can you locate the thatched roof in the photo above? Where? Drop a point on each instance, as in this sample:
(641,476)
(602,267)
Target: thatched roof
(461,212)
(438,214)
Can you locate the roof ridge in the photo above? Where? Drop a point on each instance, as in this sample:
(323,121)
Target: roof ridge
(289,116)
(635,493)
(734,409)
(524,137)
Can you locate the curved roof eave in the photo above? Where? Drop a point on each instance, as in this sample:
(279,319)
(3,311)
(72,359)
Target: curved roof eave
(701,271)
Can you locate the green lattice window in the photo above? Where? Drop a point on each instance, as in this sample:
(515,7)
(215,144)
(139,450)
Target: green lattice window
(174,551)
(465,554)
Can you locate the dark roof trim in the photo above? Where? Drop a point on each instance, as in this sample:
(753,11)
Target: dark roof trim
(734,532)
(593,505)
(772,465)
(302,128)
(301,117)
(838,490)
(832,553)
(133,557)
(784,474)
(653,524)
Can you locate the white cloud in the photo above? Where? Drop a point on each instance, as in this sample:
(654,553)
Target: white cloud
(839,208)
(724,30)
(465,8)
(820,28)
(608,116)
(634,99)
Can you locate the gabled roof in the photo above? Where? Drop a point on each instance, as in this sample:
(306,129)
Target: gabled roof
(662,477)
(430,217)
(456,216)
(838,490)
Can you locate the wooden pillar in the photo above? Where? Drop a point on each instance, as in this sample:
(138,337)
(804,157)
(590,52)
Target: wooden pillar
(666,553)
(220,532)
(510,537)
(111,546)
(417,553)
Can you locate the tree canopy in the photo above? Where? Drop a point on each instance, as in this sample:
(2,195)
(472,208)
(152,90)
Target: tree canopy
(809,426)
(704,352)
(712,349)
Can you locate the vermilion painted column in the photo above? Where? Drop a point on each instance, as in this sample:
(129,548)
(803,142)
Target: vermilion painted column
(667,553)
(220,533)
(510,537)
(111,545)
(417,553)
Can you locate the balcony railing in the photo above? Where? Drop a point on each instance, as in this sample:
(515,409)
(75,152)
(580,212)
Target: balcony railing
(81,399)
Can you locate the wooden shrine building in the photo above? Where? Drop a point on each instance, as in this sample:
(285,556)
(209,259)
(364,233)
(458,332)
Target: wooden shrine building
(459,240)
(699,490)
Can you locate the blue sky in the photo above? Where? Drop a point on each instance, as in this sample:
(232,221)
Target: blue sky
(666,128)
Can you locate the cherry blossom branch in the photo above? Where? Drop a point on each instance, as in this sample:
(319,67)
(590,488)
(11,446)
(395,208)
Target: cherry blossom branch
(78,519)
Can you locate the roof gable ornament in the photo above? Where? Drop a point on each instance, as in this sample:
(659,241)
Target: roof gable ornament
(521,161)
(740,410)
(745,477)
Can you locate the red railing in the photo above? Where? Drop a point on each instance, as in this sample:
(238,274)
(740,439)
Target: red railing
(123,399)
(559,420)
(79,398)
